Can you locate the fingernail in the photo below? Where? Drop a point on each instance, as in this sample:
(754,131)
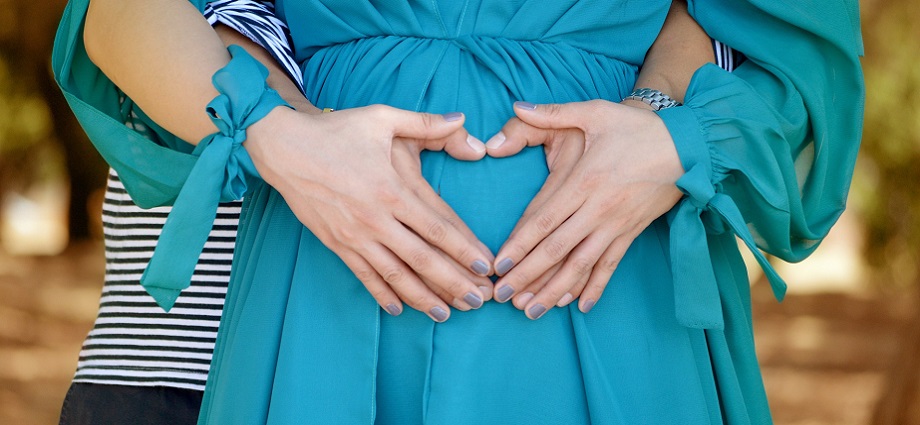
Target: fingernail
(588,305)
(480,267)
(393,309)
(459,305)
(476,144)
(452,116)
(504,293)
(486,292)
(438,314)
(527,106)
(521,301)
(536,311)
(565,300)
(503,266)
(473,300)
(496,141)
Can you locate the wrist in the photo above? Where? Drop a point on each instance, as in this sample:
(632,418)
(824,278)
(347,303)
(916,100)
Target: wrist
(637,104)
(265,138)
(656,99)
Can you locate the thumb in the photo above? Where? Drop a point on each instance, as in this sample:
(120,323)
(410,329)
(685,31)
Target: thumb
(556,115)
(515,136)
(437,132)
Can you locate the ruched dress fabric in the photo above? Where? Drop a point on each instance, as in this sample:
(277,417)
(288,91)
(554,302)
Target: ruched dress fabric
(768,148)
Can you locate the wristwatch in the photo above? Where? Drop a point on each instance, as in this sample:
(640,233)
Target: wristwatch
(656,99)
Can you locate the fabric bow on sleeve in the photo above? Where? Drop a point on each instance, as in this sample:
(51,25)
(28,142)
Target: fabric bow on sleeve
(220,174)
(696,294)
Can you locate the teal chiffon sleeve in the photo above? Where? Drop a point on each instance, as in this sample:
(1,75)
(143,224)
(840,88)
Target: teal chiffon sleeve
(769,149)
(157,167)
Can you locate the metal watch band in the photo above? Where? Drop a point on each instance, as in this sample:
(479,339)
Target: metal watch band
(656,99)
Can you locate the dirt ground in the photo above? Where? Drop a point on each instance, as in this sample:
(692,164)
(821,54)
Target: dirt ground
(824,356)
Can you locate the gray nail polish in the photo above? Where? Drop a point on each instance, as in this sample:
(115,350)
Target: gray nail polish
(393,309)
(588,306)
(525,105)
(452,116)
(473,300)
(536,311)
(480,267)
(438,313)
(503,266)
(504,293)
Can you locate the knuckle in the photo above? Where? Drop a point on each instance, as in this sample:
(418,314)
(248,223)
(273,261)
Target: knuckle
(608,265)
(427,120)
(463,253)
(365,275)
(436,232)
(380,294)
(582,266)
(452,221)
(346,236)
(394,275)
(609,203)
(545,222)
(420,259)
(590,181)
(390,196)
(555,249)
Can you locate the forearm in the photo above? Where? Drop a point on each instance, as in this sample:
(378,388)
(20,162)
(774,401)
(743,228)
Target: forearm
(681,48)
(145,49)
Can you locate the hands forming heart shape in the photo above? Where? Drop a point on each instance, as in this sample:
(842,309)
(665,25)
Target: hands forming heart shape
(354,179)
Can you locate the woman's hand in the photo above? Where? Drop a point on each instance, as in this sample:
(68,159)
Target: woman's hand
(353,178)
(612,172)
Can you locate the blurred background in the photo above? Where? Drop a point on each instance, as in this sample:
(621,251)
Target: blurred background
(844,348)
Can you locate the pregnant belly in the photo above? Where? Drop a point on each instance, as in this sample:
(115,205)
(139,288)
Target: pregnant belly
(481,77)
(491,194)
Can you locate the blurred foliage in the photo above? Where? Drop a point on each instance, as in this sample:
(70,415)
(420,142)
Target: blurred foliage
(40,139)
(887,184)
(29,153)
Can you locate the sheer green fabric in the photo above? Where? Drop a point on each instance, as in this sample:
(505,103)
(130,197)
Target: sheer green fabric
(768,151)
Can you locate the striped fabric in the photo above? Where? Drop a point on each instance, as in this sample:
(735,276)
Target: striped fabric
(134,342)
(726,57)
(257,21)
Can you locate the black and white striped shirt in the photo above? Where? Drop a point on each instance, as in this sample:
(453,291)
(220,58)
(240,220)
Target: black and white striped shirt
(134,342)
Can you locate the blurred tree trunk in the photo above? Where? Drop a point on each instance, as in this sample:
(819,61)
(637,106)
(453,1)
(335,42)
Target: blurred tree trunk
(31,39)
(84,165)
(900,399)
(890,193)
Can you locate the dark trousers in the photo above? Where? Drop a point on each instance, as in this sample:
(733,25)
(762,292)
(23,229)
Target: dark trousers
(118,404)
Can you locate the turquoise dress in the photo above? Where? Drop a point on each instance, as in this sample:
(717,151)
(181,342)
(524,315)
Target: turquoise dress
(769,153)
